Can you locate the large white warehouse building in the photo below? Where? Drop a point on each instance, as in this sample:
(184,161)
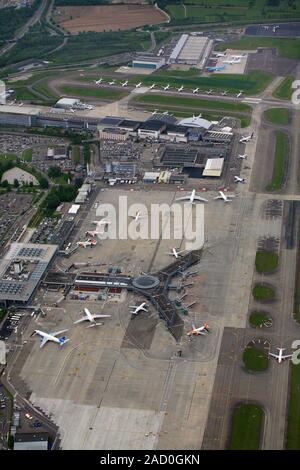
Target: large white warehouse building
(191,50)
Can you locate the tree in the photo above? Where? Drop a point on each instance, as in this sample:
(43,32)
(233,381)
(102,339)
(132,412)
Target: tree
(54,171)
(16,183)
(44,183)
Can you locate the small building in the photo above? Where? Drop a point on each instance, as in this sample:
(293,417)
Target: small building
(164,177)
(74,209)
(148,62)
(178,179)
(214,167)
(31,441)
(67,103)
(151,177)
(22,176)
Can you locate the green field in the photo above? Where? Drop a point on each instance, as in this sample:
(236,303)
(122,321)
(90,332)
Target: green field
(285,91)
(279,161)
(293,422)
(297,285)
(258,319)
(286,47)
(100,93)
(255,359)
(246,428)
(2,313)
(263,293)
(266,261)
(76,154)
(27,155)
(280,116)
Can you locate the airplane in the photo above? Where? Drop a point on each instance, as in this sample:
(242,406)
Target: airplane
(91,318)
(101,222)
(45,337)
(125,83)
(138,216)
(196,90)
(72,110)
(280,357)
(180,89)
(152,86)
(21,104)
(246,138)
(239,180)
(217,68)
(138,85)
(239,94)
(166,87)
(112,82)
(224,197)
(98,81)
(224,93)
(242,156)
(231,62)
(86,243)
(192,198)
(219,54)
(202,330)
(209,92)
(175,253)
(139,308)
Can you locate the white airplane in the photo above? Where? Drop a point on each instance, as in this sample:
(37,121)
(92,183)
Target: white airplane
(280,357)
(138,85)
(224,93)
(202,330)
(219,54)
(91,318)
(242,156)
(231,62)
(224,197)
(246,138)
(239,94)
(101,224)
(98,81)
(72,110)
(112,82)
(175,253)
(152,86)
(239,180)
(138,216)
(209,92)
(45,337)
(139,308)
(166,87)
(196,90)
(125,83)
(192,198)
(180,89)
(21,104)
(86,243)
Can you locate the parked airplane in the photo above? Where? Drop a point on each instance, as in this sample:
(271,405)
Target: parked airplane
(175,253)
(219,54)
(209,92)
(89,242)
(202,330)
(216,68)
(196,90)
(192,198)
(180,89)
(139,308)
(246,138)
(45,337)
(224,197)
(21,104)
(91,318)
(231,62)
(280,357)
(102,222)
(224,93)
(238,56)
(166,87)
(125,83)
(138,85)
(239,180)
(138,216)
(98,81)
(239,94)
(72,110)
(112,82)
(152,86)
(242,156)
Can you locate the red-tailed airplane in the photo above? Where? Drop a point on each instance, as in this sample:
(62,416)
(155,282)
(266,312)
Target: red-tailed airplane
(202,330)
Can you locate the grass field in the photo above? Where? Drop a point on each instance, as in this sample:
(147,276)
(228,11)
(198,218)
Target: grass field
(297,285)
(246,428)
(27,155)
(285,91)
(266,261)
(286,47)
(279,162)
(279,116)
(263,293)
(76,154)
(255,359)
(293,421)
(99,93)
(258,319)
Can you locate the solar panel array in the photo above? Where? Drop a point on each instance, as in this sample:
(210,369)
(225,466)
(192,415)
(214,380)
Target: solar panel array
(180,156)
(11,288)
(32,252)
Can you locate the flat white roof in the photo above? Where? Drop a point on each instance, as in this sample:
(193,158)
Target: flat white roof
(68,101)
(74,209)
(213,167)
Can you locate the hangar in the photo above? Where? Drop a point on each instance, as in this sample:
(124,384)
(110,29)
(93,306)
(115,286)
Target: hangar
(148,62)
(191,50)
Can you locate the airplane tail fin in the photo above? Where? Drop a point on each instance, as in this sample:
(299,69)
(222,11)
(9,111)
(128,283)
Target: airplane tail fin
(63,340)
(206,326)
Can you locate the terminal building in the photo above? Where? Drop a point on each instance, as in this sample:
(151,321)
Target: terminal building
(191,50)
(21,271)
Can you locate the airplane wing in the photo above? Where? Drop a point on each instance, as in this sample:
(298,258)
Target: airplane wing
(44,341)
(101,316)
(184,198)
(218,197)
(199,198)
(286,356)
(274,355)
(80,320)
(56,333)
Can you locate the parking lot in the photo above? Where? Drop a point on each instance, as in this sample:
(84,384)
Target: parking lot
(13,205)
